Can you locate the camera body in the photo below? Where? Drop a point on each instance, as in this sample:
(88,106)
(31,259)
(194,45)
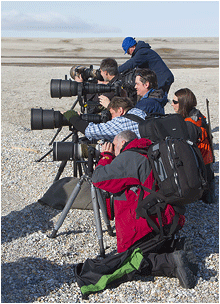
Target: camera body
(86,73)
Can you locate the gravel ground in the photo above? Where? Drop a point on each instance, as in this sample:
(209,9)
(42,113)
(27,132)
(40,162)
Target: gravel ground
(36,268)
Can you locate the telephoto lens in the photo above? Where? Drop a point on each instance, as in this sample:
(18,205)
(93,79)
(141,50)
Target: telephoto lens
(74,151)
(47,119)
(67,88)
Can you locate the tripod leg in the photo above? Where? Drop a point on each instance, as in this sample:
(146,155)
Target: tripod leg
(97,220)
(67,207)
(60,170)
(103,208)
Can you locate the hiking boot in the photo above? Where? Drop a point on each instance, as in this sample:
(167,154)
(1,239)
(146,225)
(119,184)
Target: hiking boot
(186,245)
(182,270)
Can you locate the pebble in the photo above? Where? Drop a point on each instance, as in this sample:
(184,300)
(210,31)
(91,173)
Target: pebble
(38,269)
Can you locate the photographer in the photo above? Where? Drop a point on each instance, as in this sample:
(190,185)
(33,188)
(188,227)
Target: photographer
(113,174)
(142,56)
(118,106)
(110,75)
(152,99)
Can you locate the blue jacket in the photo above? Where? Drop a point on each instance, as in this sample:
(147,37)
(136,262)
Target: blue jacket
(144,57)
(153,101)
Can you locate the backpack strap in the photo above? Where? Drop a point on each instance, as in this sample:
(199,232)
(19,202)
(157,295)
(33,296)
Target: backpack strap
(134,118)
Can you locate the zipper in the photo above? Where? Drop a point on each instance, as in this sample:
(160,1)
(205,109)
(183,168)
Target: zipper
(176,180)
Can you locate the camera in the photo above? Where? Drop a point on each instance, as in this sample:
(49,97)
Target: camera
(67,88)
(50,119)
(75,151)
(86,73)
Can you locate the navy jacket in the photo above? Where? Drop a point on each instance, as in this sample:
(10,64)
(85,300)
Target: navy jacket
(153,102)
(144,57)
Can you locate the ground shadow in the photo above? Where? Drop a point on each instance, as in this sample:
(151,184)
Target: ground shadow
(29,278)
(27,222)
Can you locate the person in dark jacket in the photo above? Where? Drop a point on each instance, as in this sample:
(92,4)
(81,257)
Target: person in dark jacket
(142,56)
(152,99)
(184,103)
(120,171)
(110,75)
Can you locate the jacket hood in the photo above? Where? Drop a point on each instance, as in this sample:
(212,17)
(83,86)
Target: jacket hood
(140,45)
(140,143)
(159,95)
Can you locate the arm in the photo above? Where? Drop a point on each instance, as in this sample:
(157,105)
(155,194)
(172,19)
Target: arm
(106,131)
(138,59)
(115,175)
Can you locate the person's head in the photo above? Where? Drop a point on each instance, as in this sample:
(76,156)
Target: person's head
(184,101)
(129,45)
(121,138)
(108,68)
(145,80)
(118,106)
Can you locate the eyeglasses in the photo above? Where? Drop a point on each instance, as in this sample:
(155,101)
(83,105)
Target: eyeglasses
(175,101)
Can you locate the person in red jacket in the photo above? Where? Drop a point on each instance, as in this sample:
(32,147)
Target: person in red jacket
(184,103)
(120,171)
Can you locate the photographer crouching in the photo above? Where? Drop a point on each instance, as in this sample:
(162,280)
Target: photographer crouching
(117,107)
(137,241)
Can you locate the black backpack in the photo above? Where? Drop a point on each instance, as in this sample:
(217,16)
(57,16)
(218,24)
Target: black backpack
(157,126)
(178,168)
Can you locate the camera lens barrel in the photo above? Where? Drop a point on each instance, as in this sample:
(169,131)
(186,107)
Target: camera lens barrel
(73,151)
(67,88)
(96,118)
(64,88)
(47,119)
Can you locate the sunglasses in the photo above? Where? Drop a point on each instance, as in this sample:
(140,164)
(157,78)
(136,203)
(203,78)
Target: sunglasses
(175,101)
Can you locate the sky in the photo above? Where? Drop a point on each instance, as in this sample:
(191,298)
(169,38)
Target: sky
(81,19)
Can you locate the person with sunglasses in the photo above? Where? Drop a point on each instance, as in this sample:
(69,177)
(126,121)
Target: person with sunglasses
(142,56)
(184,103)
(152,99)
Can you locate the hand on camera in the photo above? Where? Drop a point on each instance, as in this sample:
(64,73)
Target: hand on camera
(104,101)
(108,147)
(78,78)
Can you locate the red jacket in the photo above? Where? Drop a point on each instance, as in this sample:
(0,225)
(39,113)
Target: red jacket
(120,175)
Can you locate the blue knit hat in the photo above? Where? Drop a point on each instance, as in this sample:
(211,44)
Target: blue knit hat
(127,43)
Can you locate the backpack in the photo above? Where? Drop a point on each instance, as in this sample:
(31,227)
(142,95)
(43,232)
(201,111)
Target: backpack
(158,126)
(178,169)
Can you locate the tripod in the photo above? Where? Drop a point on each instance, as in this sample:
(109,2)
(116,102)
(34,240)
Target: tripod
(97,203)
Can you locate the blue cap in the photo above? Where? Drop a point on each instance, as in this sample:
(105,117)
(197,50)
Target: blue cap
(127,43)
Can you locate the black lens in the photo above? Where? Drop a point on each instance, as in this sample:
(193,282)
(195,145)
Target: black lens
(64,88)
(63,151)
(92,118)
(91,88)
(47,119)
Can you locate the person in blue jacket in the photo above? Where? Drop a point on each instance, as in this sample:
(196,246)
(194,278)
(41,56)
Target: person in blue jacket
(152,99)
(142,56)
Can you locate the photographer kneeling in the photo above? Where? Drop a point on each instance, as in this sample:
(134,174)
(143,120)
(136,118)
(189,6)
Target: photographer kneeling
(118,107)
(121,171)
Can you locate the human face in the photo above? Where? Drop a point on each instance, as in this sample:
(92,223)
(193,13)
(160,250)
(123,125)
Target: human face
(175,105)
(104,75)
(118,144)
(131,50)
(116,113)
(141,88)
